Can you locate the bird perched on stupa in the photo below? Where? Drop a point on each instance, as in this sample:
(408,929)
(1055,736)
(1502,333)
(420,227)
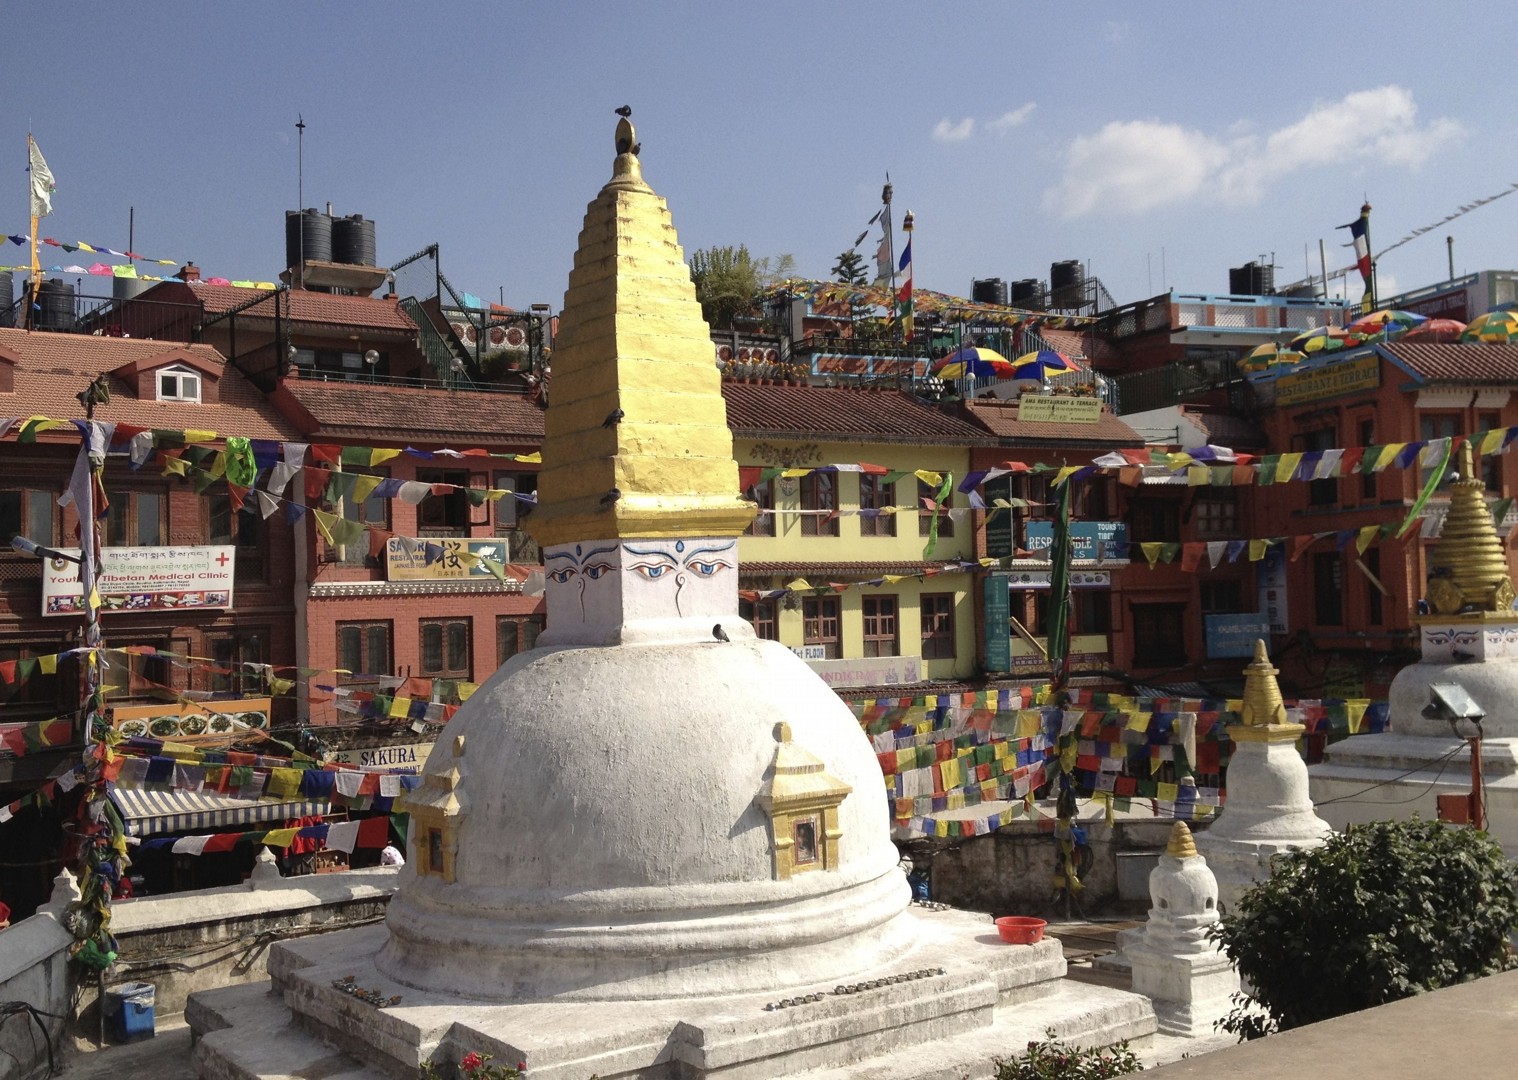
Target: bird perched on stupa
(627,138)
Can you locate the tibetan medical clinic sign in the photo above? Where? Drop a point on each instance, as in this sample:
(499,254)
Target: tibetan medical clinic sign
(1346,377)
(1058,409)
(144,579)
(439,559)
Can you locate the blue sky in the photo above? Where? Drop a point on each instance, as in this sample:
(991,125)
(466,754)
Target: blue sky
(1161,143)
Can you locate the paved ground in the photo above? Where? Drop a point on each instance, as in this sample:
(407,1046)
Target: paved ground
(166,1056)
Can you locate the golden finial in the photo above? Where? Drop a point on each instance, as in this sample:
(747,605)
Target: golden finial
(1181,845)
(1262,694)
(1468,568)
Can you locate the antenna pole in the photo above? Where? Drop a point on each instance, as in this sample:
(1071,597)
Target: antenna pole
(300,193)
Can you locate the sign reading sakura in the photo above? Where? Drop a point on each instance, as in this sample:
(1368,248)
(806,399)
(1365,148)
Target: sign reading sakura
(144,579)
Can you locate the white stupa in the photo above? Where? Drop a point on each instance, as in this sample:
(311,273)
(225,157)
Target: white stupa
(654,845)
(1268,809)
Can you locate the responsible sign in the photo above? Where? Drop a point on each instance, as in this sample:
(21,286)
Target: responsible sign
(1057,409)
(191,720)
(1088,539)
(143,579)
(1347,377)
(1234,635)
(439,559)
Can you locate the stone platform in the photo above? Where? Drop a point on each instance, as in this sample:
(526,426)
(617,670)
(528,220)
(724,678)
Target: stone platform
(990,999)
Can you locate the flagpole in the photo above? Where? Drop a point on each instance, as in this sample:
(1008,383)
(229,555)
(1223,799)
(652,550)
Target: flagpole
(36,266)
(1365,213)
(890,239)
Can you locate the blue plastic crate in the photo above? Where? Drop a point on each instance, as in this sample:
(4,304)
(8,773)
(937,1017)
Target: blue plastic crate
(129,1008)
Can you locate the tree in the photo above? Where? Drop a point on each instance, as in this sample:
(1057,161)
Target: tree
(775,269)
(726,280)
(849,268)
(1382,912)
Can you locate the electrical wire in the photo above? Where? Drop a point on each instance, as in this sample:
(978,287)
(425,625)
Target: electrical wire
(1442,761)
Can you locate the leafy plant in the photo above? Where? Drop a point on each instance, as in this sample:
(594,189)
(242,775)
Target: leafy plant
(849,268)
(1050,1059)
(473,1066)
(726,280)
(1378,913)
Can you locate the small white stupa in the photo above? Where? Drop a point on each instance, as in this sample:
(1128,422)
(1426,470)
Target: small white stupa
(1469,639)
(654,845)
(1268,809)
(1187,976)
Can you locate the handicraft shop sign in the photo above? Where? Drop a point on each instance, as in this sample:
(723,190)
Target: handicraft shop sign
(441,560)
(1056,409)
(869,671)
(143,579)
(1363,373)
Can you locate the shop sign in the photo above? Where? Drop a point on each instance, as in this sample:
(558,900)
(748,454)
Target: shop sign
(998,518)
(410,756)
(869,671)
(998,604)
(1058,409)
(1347,377)
(143,579)
(1270,582)
(1234,635)
(438,559)
(1041,579)
(191,718)
(1088,539)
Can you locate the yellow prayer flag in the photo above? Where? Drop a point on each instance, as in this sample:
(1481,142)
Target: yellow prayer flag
(279,837)
(1198,476)
(1179,460)
(465,690)
(363,486)
(197,435)
(929,477)
(1389,454)
(48,664)
(400,707)
(284,783)
(1168,792)
(796,472)
(1138,721)
(1257,549)
(1364,538)
(532,459)
(324,523)
(1286,469)
(800,584)
(379,456)
(1028,723)
(176,466)
(1491,442)
(1355,710)
(1151,552)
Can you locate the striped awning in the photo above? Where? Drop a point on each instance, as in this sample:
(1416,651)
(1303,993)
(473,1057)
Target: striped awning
(154,813)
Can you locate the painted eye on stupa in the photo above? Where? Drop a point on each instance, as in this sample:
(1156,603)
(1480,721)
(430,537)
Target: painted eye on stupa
(651,571)
(597,571)
(561,576)
(706,569)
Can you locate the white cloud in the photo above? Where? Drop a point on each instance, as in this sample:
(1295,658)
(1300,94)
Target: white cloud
(949,131)
(1009,120)
(1133,166)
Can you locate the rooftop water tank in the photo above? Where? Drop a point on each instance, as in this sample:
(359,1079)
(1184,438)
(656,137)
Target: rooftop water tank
(353,240)
(989,291)
(1028,292)
(308,236)
(1067,284)
(1252,279)
(55,300)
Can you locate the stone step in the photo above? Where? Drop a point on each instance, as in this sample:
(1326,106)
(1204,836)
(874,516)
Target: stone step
(245,1033)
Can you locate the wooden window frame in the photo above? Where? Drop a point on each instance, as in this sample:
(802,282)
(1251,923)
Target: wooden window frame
(819,491)
(822,624)
(937,615)
(447,628)
(875,494)
(882,625)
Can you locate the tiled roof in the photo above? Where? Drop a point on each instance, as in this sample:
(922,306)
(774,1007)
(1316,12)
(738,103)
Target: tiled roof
(1080,345)
(52,368)
(1000,418)
(1466,363)
(413,413)
(844,415)
(327,309)
(824,570)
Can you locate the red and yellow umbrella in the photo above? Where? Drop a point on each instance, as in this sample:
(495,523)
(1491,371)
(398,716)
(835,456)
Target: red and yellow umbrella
(1268,356)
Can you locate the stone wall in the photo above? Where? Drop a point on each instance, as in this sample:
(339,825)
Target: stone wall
(34,970)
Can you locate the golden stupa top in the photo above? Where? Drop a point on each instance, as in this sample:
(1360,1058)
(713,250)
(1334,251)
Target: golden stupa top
(1181,845)
(1467,570)
(636,441)
(1264,710)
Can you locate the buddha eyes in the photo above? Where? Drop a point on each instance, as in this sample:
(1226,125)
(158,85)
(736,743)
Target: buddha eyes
(561,576)
(598,570)
(706,569)
(651,571)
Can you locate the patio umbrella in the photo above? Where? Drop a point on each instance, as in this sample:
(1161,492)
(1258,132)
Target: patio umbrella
(1268,356)
(1495,327)
(1321,339)
(1434,330)
(1041,364)
(1387,321)
(972,360)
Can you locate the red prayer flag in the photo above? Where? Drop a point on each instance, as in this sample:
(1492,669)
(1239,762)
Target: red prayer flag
(373,832)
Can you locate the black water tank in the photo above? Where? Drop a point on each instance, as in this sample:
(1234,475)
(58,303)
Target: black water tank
(1067,284)
(1252,279)
(1029,292)
(311,228)
(7,298)
(989,291)
(353,240)
(55,298)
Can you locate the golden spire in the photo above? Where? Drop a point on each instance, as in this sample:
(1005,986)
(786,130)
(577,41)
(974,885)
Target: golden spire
(636,441)
(1181,845)
(1469,565)
(1262,694)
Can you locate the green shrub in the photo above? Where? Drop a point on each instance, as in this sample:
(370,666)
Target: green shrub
(1052,1060)
(1378,913)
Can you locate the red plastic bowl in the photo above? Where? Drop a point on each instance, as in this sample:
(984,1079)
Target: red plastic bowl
(1020,929)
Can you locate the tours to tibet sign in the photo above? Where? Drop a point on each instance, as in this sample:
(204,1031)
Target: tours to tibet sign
(143,579)
(1055,408)
(1362,373)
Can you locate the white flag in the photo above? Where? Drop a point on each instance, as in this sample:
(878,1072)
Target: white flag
(42,183)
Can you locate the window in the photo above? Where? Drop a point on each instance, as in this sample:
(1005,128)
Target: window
(1320,492)
(763,494)
(229,654)
(1328,588)
(510,511)
(243,530)
(370,511)
(1221,597)
(446,652)
(1368,479)
(445,514)
(819,625)
(1217,515)
(363,648)
(763,615)
(938,626)
(876,494)
(926,493)
(1159,634)
(880,626)
(26,513)
(177,383)
(144,677)
(1438,426)
(819,491)
(136,519)
(1090,611)
(1152,520)
(514,635)
(46,694)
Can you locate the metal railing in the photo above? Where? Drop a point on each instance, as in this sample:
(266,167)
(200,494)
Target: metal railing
(107,316)
(447,365)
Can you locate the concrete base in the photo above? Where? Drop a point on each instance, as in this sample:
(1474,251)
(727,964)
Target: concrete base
(308,1027)
(1190,993)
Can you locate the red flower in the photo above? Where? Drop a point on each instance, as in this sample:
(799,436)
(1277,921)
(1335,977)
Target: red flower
(471,1061)
(521,1066)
